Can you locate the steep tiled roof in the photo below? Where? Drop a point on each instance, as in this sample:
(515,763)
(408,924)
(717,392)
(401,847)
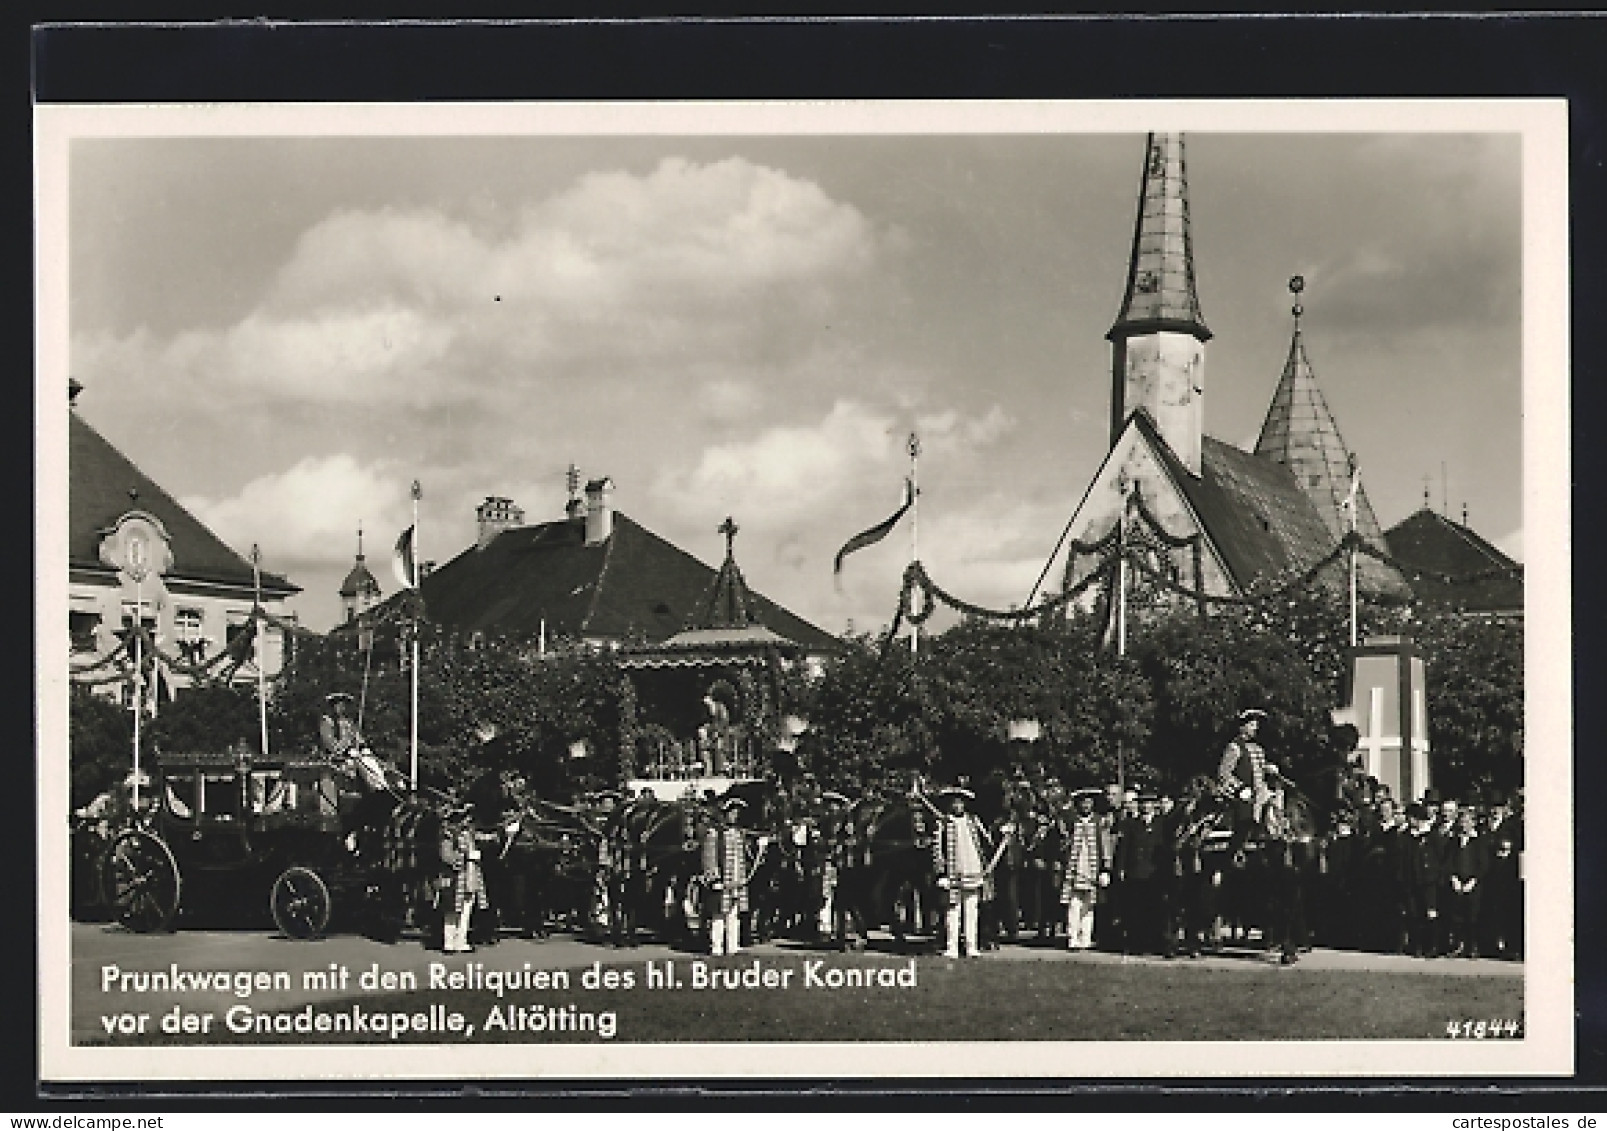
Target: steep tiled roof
(1161,294)
(99,478)
(1434,544)
(1258,518)
(633,583)
(1300,432)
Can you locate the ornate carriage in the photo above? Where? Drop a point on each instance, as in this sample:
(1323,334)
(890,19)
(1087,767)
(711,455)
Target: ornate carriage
(278,831)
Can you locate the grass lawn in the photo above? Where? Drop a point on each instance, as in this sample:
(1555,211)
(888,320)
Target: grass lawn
(993,1000)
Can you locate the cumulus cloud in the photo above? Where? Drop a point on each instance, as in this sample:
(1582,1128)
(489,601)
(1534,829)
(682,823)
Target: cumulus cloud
(789,472)
(799,489)
(635,276)
(308,513)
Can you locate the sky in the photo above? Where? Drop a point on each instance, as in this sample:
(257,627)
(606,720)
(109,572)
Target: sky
(286,331)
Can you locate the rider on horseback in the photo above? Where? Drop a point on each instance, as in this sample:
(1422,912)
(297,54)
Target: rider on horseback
(1241,778)
(370,786)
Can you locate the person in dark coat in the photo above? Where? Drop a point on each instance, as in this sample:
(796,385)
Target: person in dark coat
(1338,872)
(1043,837)
(1467,862)
(1009,872)
(1383,899)
(1143,868)
(1423,874)
(1501,911)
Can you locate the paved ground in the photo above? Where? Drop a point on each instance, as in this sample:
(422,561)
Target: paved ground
(102,953)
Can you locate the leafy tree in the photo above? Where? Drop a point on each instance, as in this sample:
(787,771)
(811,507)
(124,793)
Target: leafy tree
(1203,672)
(1475,700)
(210,717)
(100,744)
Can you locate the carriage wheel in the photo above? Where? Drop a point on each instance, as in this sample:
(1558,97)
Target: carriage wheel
(300,903)
(142,881)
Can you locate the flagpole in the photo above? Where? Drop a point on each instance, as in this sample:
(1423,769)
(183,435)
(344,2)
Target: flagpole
(417,625)
(1350,507)
(915,527)
(262,691)
(1121,576)
(139,673)
(1121,613)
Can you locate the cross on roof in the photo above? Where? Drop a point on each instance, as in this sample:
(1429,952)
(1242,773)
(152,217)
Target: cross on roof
(729,528)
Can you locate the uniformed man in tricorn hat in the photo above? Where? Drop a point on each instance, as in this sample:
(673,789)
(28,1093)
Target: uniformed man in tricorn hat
(726,873)
(1242,777)
(1086,870)
(960,853)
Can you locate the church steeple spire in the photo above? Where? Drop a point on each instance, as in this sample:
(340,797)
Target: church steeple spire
(1300,432)
(1161,294)
(1158,340)
(360,591)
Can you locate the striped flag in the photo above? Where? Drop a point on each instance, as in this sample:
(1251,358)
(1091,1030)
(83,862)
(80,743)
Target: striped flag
(876,533)
(402,560)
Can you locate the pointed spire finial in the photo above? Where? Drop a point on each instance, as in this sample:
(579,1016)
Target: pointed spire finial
(359,539)
(1297,284)
(1161,294)
(729,528)
(1464,513)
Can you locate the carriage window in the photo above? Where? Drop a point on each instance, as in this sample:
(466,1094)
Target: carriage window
(314,793)
(272,793)
(178,792)
(220,795)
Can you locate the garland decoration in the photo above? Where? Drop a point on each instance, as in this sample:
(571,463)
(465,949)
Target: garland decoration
(919,595)
(917,580)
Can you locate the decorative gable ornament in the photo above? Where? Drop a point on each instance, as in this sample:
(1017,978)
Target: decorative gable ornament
(137,545)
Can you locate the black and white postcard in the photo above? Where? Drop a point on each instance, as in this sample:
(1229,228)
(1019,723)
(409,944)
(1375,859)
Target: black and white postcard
(662,590)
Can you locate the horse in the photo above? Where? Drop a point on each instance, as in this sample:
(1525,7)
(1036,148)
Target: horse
(1262,885)
(664,856)
(886,877)
(778,890)
(399,845)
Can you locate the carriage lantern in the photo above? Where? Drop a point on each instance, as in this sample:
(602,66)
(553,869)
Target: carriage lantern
(1024,730)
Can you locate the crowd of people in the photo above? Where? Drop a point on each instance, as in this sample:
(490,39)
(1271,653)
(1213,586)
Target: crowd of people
(1133,870)
(1238,858)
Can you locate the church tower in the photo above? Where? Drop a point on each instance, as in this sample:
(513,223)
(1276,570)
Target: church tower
(360,591)
(1300,432)
(1158,339)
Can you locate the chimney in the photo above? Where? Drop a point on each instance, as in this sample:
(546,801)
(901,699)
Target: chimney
(599,511)
(496,515)
(575,508)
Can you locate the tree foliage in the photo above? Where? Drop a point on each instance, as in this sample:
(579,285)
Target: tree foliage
(101,744)
(568,719)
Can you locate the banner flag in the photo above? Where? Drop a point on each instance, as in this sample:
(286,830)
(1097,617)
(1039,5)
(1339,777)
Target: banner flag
(876,533)
(402,559)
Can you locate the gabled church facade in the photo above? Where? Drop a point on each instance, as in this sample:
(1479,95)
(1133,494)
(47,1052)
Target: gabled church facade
(1218,519)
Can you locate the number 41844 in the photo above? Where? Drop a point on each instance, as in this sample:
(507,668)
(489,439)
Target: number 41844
(1484,1029)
